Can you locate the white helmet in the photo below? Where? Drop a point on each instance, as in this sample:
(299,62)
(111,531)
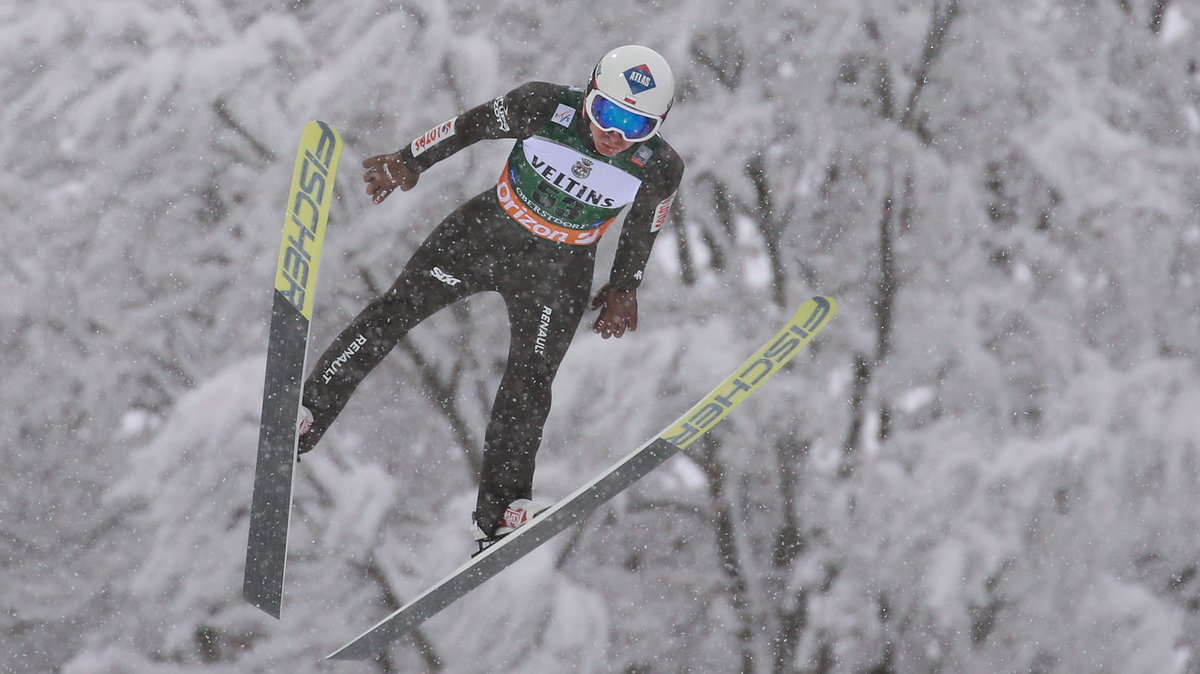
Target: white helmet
(633,79)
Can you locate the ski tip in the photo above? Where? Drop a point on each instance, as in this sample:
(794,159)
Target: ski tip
(826,302)
(323,125)
(815,314)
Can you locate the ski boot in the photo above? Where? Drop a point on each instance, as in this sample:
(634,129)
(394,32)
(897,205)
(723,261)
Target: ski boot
(304,421)
(517,514)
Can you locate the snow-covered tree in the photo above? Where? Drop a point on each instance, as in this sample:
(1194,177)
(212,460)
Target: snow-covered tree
(987,463)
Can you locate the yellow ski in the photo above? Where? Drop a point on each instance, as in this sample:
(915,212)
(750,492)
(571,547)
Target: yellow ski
(304,226)
(805,324)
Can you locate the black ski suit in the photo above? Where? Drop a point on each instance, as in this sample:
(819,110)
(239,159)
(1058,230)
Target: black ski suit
(531,239)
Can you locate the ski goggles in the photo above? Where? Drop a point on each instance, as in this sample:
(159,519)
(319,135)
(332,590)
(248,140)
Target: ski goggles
(609,115)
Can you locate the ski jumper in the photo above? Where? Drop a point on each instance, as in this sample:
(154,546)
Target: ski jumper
(530,238)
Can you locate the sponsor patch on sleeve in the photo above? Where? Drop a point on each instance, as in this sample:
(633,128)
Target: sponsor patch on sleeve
(661,213)
(563,115)
(500,110)
(433,136)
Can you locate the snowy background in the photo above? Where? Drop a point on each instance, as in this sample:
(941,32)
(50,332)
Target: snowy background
(990,461)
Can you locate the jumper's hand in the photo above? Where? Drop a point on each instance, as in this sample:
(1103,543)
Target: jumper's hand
(618,311)
(385,173)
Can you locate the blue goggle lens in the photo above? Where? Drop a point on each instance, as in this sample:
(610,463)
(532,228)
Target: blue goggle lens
(612,117)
